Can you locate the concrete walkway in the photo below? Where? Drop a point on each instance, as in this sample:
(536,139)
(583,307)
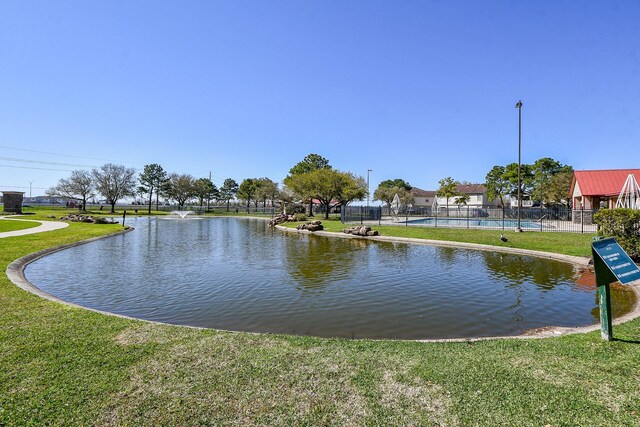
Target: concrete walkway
(44,226)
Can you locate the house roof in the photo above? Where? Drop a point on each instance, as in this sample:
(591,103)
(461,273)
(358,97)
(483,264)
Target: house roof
(471,189)
(418,192)
(602,182)
(460,188)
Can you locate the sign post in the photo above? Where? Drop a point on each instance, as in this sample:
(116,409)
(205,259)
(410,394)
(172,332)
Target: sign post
(611,264)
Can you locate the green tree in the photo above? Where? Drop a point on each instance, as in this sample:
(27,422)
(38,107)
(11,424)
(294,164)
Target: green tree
(557,191)
(204,190)
(496,184)
(181,188)
(151,180)
(448,189)
(114,182)
(310,163)
(526,178)
(228,191)
(79,186)
(461,199)
(387,190)
(543,170)
(330,187)
(266,190)
(353,188)
(247,190)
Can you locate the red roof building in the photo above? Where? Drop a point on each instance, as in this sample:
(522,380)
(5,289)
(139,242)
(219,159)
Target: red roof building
(597,189)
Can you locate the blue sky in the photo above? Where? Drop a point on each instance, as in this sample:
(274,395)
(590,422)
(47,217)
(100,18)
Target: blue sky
(418,90)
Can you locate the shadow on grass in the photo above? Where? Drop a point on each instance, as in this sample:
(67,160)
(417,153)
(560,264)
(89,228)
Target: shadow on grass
(626,341)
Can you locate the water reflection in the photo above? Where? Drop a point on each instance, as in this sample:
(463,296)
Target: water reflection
(314,263)
(518,269)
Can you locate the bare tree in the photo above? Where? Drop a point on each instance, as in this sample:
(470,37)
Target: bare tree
(114,182)
(79,186)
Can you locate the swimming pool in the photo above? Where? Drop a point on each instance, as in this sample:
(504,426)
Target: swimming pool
(475,222)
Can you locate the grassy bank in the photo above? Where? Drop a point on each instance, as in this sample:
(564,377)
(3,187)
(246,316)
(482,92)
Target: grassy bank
(563,243)
(13,225)
(68,366)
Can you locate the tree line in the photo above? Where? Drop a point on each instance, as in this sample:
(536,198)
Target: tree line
(116,182)
(546,181)
(311,179)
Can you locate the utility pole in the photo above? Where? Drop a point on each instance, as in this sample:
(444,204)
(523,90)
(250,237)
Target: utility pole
(519,107)
(368,172)
(208,198)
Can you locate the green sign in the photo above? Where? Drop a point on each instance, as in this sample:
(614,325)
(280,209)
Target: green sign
(611,264)
(616,259)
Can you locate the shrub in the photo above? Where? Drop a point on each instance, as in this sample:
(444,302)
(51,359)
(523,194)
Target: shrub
(624,225)
(296,208)
(300,217)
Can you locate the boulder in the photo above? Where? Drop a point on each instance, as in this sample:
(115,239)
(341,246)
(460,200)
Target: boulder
(360,230)
(311,226)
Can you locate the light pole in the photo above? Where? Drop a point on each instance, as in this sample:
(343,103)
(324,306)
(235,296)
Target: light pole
(519,107)
(30,182)
(368,172)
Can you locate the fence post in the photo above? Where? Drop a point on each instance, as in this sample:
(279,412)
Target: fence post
(467,216)
(541,217)
(503,217)
(436,224)
(581,219)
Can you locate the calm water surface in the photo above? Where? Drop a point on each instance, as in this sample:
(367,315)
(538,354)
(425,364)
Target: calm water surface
(238,274)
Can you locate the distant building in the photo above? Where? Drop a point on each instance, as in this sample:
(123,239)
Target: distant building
(422,198)
(594,189)
(477,197)
(512,201)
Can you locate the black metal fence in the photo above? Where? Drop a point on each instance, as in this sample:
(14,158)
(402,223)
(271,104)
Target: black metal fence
(531,219)
(361,213)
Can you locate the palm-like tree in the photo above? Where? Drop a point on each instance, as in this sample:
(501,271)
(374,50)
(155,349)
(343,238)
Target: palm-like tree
(461,199)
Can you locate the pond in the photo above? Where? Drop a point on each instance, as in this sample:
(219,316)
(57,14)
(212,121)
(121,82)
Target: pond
(239,274)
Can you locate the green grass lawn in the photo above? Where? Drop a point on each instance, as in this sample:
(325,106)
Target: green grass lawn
(564,243)
(67,366)
(13,225)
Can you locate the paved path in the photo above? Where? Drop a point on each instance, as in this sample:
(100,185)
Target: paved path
(44,226)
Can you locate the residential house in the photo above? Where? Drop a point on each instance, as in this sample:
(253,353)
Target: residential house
(477,198)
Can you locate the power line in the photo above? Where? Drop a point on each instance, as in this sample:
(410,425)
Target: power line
(32,167)
(17,186)
(13,159)
(64,155)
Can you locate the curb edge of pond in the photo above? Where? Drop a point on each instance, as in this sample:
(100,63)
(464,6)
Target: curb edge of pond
(15,274)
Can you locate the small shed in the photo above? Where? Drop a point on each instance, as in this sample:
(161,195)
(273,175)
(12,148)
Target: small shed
(13,201)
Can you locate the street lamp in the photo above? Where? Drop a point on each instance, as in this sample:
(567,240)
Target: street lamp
(519,107)
(368,172)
